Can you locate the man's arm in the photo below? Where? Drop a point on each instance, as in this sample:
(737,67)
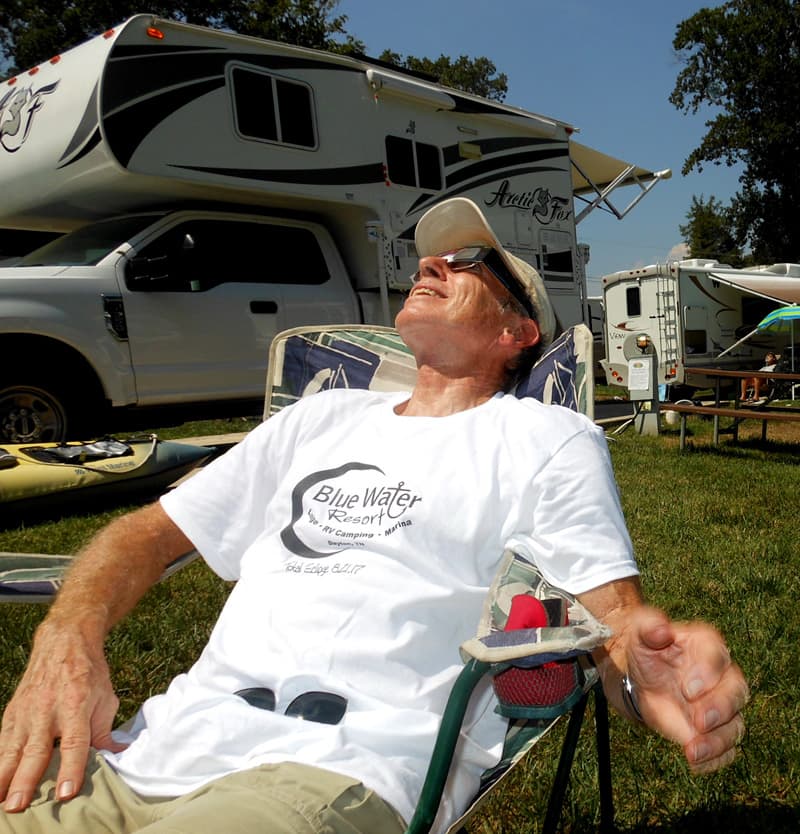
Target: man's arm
(685,685)
(66,692)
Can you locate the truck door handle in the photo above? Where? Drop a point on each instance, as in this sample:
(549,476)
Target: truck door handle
(263,307)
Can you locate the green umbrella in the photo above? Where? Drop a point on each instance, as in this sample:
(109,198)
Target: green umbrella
(782,321)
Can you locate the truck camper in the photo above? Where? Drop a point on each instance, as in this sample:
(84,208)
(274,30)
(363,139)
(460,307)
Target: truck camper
(215,189)
(694,313)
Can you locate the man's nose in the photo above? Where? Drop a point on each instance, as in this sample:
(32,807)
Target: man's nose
(433,266)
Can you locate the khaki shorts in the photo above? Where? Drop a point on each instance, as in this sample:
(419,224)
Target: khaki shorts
(283,798)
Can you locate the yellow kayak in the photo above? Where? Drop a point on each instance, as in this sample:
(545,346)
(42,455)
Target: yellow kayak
(46,475)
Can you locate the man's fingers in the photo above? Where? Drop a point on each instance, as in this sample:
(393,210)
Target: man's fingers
(716,749)
(31,765)
(74,750)
(107,742)
(655,629)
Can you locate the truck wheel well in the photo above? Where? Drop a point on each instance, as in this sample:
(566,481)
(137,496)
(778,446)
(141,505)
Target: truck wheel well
(45,374)
(27,351)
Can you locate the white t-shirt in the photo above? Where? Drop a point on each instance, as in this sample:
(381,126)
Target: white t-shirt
(364,544)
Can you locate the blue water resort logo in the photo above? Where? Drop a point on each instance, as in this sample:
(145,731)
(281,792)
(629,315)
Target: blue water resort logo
(346,507)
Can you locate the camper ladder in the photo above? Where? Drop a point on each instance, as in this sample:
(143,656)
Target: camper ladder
(667,322)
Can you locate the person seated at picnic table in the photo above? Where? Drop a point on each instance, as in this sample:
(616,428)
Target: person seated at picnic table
(364,530)
(754,382)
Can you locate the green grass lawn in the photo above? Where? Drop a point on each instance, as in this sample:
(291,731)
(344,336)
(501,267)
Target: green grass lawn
(716,535)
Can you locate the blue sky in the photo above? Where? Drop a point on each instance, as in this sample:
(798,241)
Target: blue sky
(605,66)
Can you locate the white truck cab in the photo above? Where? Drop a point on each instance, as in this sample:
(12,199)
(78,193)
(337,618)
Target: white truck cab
(157,308)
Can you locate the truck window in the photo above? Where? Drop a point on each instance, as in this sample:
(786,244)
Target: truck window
(198,255)
(413,163)
(88,245)
(270,108)
(633,302)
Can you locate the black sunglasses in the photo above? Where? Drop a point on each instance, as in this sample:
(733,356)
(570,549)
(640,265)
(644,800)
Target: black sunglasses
(322,707)
(465,260)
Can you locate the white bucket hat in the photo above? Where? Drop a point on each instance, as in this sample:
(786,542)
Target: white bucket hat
(457,223)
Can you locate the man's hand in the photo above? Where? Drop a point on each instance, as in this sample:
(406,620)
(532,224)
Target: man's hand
(687,687)
(685,684)
(65,695)
(66,692)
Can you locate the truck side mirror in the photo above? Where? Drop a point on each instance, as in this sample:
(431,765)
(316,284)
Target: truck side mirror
(142,270)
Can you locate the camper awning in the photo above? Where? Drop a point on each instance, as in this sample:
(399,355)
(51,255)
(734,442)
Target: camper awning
(783,289)
(595,175)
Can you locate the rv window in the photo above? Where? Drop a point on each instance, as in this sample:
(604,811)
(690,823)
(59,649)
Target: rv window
(228,252)
(556,255)
(696,341)
(633,300)
(430,171)
(400,160)
(753,310)
(294,108)
(413,163)
(254,105)
(558,262)
(273,109)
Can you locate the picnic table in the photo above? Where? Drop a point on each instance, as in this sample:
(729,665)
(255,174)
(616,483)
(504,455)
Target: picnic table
(739,411)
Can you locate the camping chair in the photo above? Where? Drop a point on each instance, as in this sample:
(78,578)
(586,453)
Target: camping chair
(782,389)
(539,674)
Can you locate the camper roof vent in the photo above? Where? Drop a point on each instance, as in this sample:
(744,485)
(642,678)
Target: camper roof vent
(791,270)
(695,262)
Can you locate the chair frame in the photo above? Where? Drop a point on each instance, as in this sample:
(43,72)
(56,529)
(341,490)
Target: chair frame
(442,756)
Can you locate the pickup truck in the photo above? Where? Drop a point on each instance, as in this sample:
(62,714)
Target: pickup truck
(159,308)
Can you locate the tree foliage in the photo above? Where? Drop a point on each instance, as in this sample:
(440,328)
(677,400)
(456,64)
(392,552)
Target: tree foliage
(709,232)
(742,60)
(475,75)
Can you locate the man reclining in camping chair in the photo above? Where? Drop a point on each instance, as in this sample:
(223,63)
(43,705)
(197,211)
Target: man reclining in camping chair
(364,530)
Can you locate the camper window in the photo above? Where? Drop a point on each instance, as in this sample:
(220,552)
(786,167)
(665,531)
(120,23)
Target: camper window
(272,109)
(556,255)
(633,302)
(429,167)
(413,163)
(696,341)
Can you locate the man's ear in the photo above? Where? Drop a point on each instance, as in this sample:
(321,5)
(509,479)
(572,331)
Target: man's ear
(526,333)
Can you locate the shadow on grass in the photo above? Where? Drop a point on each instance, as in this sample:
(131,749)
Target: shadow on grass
(745,448)
(71,505)
(768,818)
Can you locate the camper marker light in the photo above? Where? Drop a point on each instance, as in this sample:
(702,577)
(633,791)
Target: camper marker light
(152,32)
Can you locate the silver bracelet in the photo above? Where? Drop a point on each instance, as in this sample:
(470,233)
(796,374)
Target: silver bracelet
(629,699)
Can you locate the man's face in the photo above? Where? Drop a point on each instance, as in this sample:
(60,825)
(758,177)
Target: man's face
(448,293)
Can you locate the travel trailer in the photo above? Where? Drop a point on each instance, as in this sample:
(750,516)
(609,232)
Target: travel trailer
(218,188)
(695,313)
